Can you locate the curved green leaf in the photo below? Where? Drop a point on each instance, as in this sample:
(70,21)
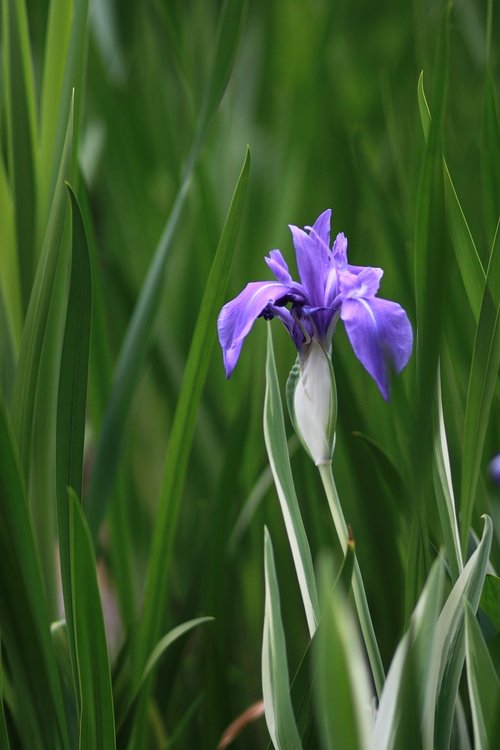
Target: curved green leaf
(97,724)
(279,460)
(449,646)
(484,686)
(275,683)
(483,380)
(24,620)
(183,429)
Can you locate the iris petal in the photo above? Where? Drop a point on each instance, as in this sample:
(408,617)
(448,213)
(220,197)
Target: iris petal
(322,226)
(312,258)
(238,316)
(279,266)
(381,336)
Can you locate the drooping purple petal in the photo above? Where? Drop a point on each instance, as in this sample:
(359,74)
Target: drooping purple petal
(238,316)
(312,259)
(279,266)
(381,336)
(290,323)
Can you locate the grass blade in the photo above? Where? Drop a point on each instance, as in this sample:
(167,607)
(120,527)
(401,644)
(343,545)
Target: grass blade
(402,699)
(183,428)
(279,459)
(97,725)
(62,90)
(4,735)
(135,345)
(9,268)
(343,694)
(443,486)
(449,649)
(481,388)
(484,686)
(21,135)
(24,620)
(124,717)
(275,683)
(468,260)
(23,398)
(490,156)
(71,407)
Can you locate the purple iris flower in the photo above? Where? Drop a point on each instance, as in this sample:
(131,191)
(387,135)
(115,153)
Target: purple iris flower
(494,469)
(330,288)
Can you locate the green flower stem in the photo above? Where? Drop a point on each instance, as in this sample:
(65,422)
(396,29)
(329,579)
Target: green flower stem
(365,620)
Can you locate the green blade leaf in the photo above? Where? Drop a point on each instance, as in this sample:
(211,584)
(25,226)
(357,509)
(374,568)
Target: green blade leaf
(183,429)
(24,621)
(279,460)
(135,345)
(431,259)
(343,693)
(275,683)
(71,407)
(443,486)
(466,254)
(481,388)
(9,265)
(97,724)
(4,734)
(490,599)
(125,711)
(21,135)
(490,156)
(23,398)
(484,686)
(402,700)
(62,90)
(449,646)
(226,46)
(75,359)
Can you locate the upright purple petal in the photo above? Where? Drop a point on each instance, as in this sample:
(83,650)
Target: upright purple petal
(312,259)
(322,226)
(381,336)
(339,251)
(238,316)
(279,266)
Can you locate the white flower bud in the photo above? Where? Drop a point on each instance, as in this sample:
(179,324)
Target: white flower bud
(312,402)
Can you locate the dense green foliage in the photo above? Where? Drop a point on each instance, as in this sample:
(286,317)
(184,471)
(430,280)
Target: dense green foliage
(130,211)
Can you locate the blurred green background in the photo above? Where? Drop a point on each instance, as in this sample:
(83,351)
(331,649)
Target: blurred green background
(325,94)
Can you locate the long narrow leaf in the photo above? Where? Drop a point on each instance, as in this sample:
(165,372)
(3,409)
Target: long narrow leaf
(484,686)
(4,734)
(481,389)
(62,90)
(401,707)
(97,725)
(443,485)
(23,399)
(467,256)
(21,134)
(125,717)
(279,459)
(24,620)
(183,428)
(275,683)
(449,646)
(135,345)
(72,397)
(343,692)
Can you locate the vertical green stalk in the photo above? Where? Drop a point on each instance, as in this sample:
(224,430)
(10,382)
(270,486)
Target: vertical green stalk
(365,620)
